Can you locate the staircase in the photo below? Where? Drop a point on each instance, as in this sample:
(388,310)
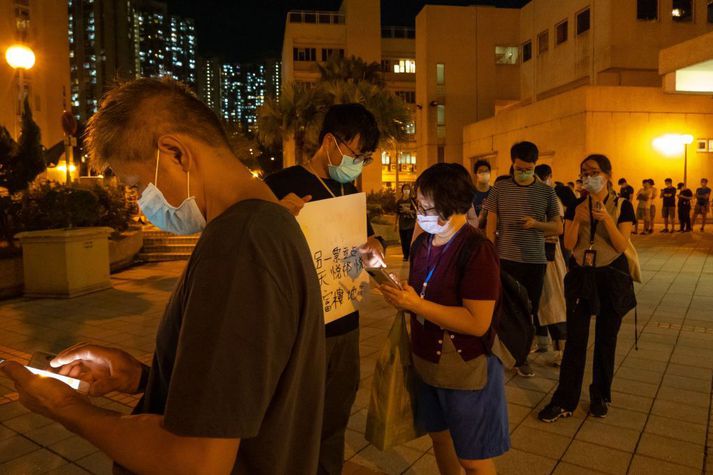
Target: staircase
(160,246)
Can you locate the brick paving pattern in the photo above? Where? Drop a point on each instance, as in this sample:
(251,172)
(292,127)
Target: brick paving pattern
(659,422)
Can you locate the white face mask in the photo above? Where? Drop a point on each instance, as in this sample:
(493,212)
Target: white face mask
(184,219)
(484,177)
(430,224)
(593,184)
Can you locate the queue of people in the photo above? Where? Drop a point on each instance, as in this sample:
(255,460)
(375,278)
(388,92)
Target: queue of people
(677,203)
(247,378)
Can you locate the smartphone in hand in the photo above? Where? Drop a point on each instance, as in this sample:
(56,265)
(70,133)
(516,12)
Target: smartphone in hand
(383,277)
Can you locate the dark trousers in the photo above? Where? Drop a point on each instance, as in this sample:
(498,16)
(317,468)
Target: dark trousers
(405,235)
(342,385)
(684,217)
(575,354)
(532,277)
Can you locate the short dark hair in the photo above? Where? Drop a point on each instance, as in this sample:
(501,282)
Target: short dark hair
(651,180)
(449,186)
(622,181)
(680,185)
(579,181)
(704,179)
(481,163)
(668,180)
(346,121)
(602,160)
(133,116)
(570,184)
(543,171)
(525,151)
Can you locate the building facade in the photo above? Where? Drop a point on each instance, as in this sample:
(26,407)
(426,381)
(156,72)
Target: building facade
(311,37)
(41,25)
(116,40)
(574,76)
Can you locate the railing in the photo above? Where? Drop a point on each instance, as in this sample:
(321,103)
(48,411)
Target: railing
(315,17)
(398,32)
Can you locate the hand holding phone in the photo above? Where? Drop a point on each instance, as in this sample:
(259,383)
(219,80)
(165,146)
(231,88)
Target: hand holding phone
(76,384)
(383,277)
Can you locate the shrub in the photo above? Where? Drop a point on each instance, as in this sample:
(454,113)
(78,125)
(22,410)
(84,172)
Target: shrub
(51,206)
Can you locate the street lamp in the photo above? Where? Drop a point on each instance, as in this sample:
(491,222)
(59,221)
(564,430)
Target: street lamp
(671,144)
(20,58)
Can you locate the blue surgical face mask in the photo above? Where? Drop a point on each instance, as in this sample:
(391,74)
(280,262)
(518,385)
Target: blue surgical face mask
(184,219)
(523,176)
(347,171)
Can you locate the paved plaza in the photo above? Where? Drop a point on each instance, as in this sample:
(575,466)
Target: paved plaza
(659,422)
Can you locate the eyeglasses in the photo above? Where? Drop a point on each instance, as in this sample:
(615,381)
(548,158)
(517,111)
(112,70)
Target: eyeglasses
(426,211)
(590,174)
(365,158)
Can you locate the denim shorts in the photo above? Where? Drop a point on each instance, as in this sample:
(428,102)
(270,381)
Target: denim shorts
(477,420)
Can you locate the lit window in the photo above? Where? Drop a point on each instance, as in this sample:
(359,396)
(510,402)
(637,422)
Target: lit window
(506,54)
(562,32)
(440,114)
(583,21)
(682,11)
(405,66)
(543,42)
(440,74)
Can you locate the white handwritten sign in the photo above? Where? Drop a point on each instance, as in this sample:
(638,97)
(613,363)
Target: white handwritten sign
(335,228)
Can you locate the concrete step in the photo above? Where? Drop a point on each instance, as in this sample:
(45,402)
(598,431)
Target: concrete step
(163,257)
(161,241)
(168,248)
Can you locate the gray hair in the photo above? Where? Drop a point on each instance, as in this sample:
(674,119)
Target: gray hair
(133,116)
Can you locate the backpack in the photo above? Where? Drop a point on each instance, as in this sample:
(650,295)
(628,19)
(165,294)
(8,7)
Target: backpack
(512,322)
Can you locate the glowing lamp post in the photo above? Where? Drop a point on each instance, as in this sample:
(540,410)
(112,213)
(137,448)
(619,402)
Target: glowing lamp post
(671,145)
(20,58)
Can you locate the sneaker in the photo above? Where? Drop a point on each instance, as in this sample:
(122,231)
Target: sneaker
(525,371)
(552,412)
(598,408)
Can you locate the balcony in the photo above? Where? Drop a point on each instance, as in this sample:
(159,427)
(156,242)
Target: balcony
(398,32)
(316,17)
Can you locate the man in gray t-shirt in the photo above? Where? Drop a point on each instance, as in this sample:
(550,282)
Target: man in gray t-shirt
(521,211)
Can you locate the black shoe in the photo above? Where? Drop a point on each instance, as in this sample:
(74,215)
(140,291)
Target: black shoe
(552,412)
(598,408)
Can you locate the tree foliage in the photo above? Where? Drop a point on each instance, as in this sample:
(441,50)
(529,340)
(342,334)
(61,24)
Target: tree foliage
(299,112)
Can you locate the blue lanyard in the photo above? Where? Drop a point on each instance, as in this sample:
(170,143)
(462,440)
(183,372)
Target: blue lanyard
(435,265)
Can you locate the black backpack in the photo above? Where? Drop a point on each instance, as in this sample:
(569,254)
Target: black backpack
(513,319)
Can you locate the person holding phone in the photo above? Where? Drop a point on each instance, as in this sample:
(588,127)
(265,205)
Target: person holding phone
(236,384)
(451,295)
(347,141)
(405,219)
(597,232)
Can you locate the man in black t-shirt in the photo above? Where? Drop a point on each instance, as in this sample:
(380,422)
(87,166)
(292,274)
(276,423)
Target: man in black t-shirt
(668,195)
(349,136)
(626,191)
(684,207)
(237,380)
(703,203)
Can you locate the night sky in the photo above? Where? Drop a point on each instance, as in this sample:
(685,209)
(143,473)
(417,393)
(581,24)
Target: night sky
(250,30)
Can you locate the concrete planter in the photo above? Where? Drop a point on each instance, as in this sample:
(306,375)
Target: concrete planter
(11,279)
(65,262)
(124,248)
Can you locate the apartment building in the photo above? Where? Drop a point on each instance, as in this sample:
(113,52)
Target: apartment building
(311,37)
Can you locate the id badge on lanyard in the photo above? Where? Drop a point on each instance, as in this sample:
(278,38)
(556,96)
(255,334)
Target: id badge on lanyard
(590,255)
(426,281)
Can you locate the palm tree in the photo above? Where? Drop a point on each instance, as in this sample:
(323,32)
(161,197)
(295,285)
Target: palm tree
(299,113)
(296,115)
(352,69)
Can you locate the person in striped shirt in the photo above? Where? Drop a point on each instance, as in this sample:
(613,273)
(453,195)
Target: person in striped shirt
(523,210)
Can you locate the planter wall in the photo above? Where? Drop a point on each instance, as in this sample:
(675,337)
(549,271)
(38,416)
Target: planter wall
(124,248)
(65,263)
(11,278)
